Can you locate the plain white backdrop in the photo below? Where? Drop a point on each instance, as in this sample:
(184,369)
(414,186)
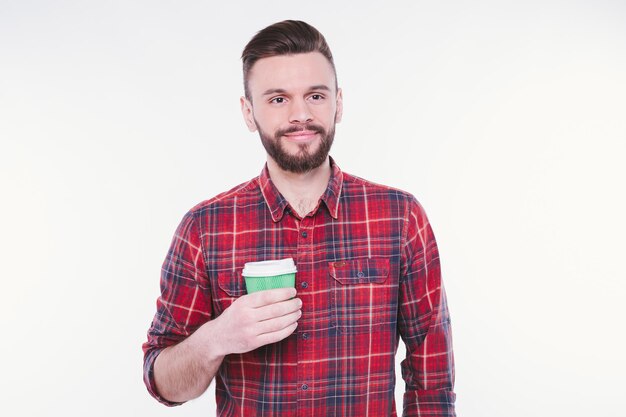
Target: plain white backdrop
(506,119)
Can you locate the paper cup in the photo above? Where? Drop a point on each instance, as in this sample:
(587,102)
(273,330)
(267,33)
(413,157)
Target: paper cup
(267,275)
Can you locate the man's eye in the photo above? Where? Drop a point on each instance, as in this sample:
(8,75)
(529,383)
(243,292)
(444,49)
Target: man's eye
(317,96)
(278,100)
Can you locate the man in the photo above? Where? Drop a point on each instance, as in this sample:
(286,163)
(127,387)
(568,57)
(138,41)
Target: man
(368,269)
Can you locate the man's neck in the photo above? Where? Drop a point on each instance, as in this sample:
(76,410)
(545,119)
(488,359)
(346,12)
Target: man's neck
(302,190)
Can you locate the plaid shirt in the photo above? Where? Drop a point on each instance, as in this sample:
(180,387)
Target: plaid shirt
(368,273)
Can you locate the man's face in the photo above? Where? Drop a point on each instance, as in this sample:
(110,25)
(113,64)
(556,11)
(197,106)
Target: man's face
(294,106)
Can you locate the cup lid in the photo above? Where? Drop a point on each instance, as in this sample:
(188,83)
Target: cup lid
(269,268)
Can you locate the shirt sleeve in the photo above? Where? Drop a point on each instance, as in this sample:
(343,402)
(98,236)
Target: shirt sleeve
(424,324)
(185,300)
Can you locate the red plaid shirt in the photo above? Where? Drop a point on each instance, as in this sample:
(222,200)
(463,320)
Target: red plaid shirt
(368,273)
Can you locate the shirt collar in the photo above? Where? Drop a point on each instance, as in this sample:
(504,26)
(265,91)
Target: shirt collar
(277,203)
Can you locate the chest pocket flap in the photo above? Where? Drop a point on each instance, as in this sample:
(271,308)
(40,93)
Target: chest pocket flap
(232,283)
(360,271)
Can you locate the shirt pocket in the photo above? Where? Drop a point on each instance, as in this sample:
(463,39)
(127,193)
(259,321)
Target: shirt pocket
(360,294)
(231,285)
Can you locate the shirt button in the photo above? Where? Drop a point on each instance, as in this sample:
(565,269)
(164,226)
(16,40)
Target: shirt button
(361,274)
(305,387)
(304,285)
(304,234)
(305,336)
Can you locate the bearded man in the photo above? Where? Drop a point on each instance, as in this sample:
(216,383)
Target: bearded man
(368,269)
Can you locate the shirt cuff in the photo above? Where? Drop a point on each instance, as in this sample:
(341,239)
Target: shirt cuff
(148,377)
(429,403)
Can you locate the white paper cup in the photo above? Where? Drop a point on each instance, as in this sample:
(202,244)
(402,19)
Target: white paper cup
(267,275)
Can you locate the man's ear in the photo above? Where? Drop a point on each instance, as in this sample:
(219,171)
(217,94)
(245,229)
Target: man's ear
(248,115)
(339,112)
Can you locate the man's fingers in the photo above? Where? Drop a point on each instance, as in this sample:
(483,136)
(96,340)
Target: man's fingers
(277,309)
(278,323)
(267,338)
(263,298)
(261,318)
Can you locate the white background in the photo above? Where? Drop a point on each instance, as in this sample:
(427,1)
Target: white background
(506,119)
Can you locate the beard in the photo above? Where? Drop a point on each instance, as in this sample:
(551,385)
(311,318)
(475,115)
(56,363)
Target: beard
(303,160)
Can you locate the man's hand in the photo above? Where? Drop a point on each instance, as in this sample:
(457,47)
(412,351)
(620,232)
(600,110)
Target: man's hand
(258,319)
(185,370)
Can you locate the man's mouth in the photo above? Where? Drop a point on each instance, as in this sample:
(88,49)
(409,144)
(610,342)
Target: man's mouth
(303,135)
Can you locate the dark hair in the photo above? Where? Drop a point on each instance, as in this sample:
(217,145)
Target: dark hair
(284,38)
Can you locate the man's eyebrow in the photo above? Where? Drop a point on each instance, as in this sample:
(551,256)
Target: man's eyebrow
(283,91)
(320,87)
(274,91)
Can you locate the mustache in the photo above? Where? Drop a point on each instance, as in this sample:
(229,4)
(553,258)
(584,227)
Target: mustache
(301,128)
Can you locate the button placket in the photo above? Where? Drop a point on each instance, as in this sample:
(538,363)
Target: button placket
(305,349)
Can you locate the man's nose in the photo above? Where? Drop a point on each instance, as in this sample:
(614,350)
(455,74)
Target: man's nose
(300,112)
